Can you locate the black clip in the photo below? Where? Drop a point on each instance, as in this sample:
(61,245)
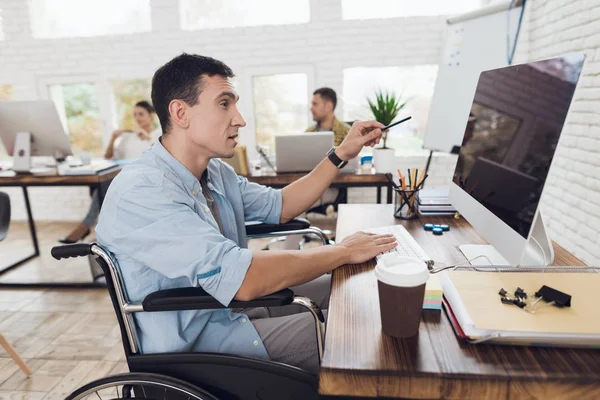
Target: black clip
(502,292)
(550,295)
(520,293)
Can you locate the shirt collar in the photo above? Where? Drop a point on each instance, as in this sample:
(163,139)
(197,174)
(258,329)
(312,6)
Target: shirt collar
(333,126)
(188,179)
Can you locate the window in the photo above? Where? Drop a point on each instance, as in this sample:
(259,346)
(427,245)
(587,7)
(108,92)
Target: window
(77,106)
(5,94)
(413,83)
(75,18)
(207,14)
(361,9)
(280,106)
(125,94)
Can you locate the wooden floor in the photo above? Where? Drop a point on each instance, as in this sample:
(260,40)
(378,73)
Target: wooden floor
(67,337)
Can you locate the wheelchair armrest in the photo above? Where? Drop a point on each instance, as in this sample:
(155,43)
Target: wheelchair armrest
(72,250)
(261,229)
(195,298)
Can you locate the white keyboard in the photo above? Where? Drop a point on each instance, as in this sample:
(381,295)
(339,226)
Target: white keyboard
(407,245)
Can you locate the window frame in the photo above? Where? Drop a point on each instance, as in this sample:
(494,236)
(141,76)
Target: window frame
(246,103)
(101,86)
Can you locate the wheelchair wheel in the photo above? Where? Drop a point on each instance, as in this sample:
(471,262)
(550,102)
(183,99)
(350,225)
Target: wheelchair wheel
(140,386)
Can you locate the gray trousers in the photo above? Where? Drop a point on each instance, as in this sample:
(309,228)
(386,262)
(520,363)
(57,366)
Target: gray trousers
(94,211)
(289,332)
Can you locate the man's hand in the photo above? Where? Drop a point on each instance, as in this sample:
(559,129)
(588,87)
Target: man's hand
(361,246)
(362,133)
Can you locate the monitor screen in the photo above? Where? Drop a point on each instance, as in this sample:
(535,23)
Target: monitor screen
(513,128)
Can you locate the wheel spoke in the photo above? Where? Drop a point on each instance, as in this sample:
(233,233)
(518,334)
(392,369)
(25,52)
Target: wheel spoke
(99,396)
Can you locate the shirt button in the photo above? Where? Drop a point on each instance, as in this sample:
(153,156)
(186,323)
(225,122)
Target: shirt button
(244,320)
(256,342)
(206,209)
(193,192)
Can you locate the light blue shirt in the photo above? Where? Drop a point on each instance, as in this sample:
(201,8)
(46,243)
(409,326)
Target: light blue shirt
(157,225)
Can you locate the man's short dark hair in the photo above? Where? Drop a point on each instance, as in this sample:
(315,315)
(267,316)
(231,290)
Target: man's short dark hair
(327,94)
(181,78)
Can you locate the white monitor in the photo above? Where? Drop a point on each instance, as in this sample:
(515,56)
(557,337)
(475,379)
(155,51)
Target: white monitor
(301,152)
(518,113)
(34,129)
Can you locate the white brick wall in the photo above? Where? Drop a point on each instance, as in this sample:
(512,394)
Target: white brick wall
(327,44)
(571,201)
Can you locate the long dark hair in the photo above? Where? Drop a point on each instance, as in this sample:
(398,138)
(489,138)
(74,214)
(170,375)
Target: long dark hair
(146,106)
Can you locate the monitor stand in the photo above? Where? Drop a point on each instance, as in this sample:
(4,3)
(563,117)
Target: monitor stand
(22,152)
(538,251)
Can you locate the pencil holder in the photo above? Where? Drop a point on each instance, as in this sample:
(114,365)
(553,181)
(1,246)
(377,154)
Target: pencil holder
(405,204)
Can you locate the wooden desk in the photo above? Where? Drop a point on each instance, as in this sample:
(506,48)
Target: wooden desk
(99,181)
(360,360)
(343,180)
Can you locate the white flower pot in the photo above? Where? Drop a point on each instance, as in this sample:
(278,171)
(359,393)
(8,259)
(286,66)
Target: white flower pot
(384,160)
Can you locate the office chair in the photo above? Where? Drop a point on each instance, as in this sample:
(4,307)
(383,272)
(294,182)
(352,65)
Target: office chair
(194,375)
(4,224)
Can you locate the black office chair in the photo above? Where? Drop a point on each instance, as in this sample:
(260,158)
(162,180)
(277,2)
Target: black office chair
(194,375)
(4,215)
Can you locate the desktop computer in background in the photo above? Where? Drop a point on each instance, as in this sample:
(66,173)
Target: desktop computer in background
(32,128)
(519,112)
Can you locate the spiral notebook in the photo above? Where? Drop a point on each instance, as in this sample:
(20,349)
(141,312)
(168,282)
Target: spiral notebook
(473,305)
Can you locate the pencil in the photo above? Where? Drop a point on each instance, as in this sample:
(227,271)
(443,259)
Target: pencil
(402,183)
(395,123)
(409,180)
(416,173)
(421,175)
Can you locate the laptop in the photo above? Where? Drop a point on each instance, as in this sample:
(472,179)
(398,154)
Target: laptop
(301,152)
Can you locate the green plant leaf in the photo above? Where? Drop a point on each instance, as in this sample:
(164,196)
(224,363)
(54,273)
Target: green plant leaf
(385,108)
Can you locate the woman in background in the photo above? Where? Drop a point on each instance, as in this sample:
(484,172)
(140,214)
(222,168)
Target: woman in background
(143,112)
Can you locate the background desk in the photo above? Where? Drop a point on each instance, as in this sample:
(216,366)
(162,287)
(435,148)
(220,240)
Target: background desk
(343,180)
(360,360)
(99,181)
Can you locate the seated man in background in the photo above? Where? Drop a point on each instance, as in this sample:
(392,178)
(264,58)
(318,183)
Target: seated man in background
(176,216)
(322,108)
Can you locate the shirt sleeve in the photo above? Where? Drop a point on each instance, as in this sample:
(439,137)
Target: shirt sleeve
(261,203)
(156,227)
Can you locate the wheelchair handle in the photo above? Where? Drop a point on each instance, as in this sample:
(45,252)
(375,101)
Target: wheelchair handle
(72,250)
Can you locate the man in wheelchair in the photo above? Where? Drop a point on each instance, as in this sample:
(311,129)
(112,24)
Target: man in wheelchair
(176,216)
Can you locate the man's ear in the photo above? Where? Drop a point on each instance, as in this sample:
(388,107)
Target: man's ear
(178,112)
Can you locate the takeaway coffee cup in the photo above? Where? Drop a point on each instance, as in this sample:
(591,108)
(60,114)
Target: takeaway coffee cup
(401,283)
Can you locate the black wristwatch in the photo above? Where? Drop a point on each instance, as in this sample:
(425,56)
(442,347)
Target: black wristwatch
(338,162)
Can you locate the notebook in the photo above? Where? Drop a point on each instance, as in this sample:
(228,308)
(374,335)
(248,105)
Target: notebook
(474,308)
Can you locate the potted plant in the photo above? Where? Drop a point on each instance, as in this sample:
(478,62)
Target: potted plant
(385,109)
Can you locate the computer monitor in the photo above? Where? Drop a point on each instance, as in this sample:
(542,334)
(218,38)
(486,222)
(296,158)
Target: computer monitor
(518,112)
(301,152)
(37,120)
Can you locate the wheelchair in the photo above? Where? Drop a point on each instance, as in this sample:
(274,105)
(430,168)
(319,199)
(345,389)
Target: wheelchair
(201,376)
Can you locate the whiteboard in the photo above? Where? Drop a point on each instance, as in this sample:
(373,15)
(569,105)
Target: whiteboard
(475,42)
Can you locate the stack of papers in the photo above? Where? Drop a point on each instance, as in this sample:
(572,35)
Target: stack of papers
(474,308)
(434,202)
(90,169)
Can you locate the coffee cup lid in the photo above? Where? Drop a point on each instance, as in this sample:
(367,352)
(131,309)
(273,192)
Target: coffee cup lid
(401,271)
